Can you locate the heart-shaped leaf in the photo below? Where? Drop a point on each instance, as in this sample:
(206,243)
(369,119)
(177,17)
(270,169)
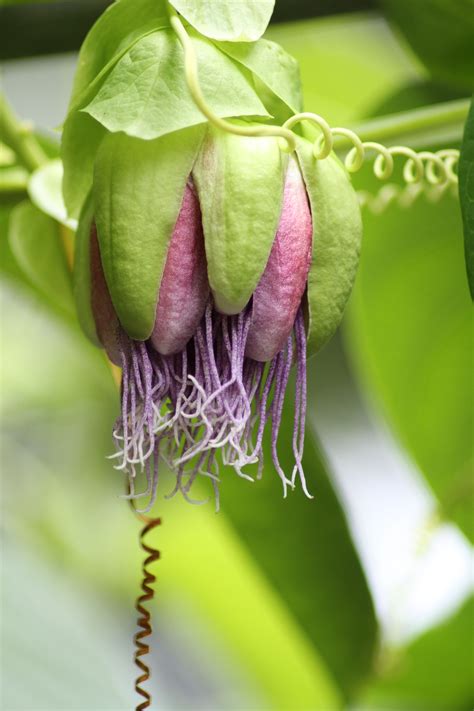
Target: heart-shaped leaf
(146,95)
(116,30)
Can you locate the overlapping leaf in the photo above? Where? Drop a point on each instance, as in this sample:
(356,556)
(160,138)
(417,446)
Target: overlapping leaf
(277,69)
(122,24)
(146,94)
(242,21)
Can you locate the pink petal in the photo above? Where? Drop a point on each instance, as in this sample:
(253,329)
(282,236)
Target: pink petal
(106,321)
(184,289)
(282,285)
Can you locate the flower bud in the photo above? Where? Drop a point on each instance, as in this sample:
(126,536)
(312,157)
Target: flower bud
(205,264)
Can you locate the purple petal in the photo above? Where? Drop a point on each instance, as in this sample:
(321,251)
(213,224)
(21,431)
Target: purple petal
(184,287)
(279,292)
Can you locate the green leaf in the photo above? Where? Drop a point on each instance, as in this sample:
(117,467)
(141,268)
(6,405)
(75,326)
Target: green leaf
(79,145)
(337,232)
(138,191)
(466,194)
(277,69)
(116,30)
(240,185)
(440,32)
(410,340)
(239,601)
(44,189)
(434,673)
(36,244)
(304,548)
(242,21)
(146,95)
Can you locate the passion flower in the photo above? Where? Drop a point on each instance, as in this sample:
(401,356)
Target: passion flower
(206,300)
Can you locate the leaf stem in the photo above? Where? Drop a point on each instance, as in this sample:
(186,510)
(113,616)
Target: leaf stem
(19,137)
(395,127)
(13,181)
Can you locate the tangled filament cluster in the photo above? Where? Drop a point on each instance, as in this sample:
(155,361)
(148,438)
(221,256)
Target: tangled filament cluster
(183,408)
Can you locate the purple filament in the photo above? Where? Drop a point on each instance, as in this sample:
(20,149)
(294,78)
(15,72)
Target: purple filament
(183,408)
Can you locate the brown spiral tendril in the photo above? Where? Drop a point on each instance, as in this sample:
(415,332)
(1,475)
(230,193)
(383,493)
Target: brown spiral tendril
(144,620)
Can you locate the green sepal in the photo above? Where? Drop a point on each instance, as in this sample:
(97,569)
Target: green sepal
(337,232)
(79,145)
(82,272)
(138,191)
(240,186)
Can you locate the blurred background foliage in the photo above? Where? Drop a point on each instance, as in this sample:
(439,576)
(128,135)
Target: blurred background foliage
(357,599)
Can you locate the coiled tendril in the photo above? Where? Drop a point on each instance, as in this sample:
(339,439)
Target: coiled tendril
(144,619)
(436,168)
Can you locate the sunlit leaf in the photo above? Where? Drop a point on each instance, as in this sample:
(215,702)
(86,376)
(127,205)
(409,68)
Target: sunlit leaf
(146,95)
(466,194)
(215,568)
(45,191)
(242,21)
(122,24)
(434,673)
